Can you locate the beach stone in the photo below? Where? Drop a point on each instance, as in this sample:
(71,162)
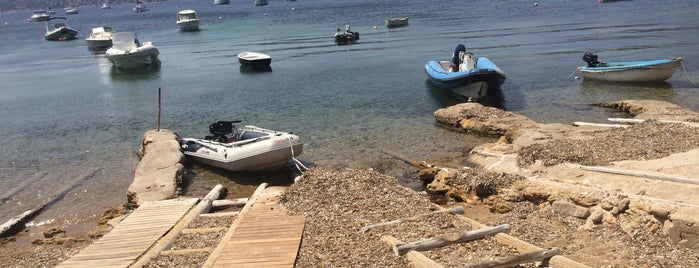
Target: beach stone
(683,227)
(440,184)
(596,215)
(570,209)
(661,211)
(160,172)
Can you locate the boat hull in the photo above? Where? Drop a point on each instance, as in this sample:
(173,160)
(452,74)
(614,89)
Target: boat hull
(268,151)
(396,22)
(254,60)
(188,25)
(222,2)
(641,71)
(472,84)
(62,34)
(137,58)
(99,44)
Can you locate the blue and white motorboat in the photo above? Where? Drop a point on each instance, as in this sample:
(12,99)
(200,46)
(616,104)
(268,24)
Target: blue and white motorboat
(465,74)
(629,71)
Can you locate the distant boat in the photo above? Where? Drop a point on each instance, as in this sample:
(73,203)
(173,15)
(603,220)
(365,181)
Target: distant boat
(347,37)
(254,60)
(140,7)
(261,2)
(222,2)
(605,1)
(60,31)
(50,11)
(100,38)
(128,53)
(629,71)
(187,20)
(396,22)
(71,10)
(464,74)
(105,5)
(38,16)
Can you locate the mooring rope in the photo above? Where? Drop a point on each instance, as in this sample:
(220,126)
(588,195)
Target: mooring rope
(296,161)
(684,71)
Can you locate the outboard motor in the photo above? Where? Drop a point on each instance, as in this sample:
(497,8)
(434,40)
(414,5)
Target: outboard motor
(220,129)
(455,60)
(591,59)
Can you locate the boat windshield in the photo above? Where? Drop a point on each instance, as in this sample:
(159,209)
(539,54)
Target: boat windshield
(124,40)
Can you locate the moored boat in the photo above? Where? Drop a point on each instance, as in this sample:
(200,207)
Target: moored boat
(128,53)
(465,74)
(347,37)
(222,2)
(261,2)
(247,148)
(38,16)
(254,60)
(187,20)
(629,71)
(140,7)
(71,10)
(100,38)
(396,22)
(60,31)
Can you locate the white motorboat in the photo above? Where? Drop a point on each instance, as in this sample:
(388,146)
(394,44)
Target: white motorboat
(254,60)
(128,53)
(247,148)
(222,2)
(71,10)
(100,38)
(187,20)
(38,16)
(105,5)
(396,22)
(140,7)
(60,31)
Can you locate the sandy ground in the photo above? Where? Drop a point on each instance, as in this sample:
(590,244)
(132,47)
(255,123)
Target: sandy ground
(518,182)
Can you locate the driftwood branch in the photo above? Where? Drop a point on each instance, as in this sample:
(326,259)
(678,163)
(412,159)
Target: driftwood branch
(426,244)
(580,124)
(454,210)
(417,259)
(412,162)
(631,120)
(529,257)
(229,202)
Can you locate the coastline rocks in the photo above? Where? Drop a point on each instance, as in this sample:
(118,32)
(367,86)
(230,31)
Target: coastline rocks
(160,171)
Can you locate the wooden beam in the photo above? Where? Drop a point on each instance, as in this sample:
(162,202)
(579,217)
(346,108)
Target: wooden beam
(513,261)
(427,244)
(632,120)
(453,210)
(229,202)
(580,124)
(417,259)
(643,174)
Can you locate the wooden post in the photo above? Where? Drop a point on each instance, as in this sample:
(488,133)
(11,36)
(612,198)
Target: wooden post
(427,244)
(513,261)
(159,109)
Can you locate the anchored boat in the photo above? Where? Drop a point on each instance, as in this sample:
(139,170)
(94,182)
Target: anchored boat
(465,74)
(247,148)
(629,71)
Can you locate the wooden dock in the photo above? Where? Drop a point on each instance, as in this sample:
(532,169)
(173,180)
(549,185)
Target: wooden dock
(262,235)
(133,236)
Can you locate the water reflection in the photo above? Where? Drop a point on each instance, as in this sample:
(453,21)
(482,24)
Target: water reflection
(607,91)
(148,72)
(244,69)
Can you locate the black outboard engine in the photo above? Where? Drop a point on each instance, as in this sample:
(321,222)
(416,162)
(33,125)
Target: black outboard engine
(220,129)
(455,58)
(591,59)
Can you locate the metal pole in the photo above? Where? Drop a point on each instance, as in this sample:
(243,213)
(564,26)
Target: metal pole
(159,90)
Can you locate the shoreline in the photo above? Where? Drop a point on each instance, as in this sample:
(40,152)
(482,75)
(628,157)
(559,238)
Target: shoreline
(518,132)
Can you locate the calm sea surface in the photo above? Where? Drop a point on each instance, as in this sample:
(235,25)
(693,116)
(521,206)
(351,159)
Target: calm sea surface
(66,114)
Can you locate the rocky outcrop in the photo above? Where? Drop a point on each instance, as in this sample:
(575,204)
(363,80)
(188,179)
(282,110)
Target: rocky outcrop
(160,172)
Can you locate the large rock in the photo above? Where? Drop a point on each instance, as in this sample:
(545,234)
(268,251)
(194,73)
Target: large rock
(683,227)
(160,172)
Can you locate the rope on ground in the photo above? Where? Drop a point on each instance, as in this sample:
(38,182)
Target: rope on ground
(684,71)
(297,163)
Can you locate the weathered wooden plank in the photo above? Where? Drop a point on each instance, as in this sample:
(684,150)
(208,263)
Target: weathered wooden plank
(512,261)
(400,249)
(417,259)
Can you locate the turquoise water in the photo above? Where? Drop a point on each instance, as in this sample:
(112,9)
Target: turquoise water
(67,114)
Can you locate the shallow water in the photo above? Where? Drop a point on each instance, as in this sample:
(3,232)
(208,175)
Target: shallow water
(68,115)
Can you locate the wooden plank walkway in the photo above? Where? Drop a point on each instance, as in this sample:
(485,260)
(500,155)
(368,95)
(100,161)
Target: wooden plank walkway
(263,236)
(133,236)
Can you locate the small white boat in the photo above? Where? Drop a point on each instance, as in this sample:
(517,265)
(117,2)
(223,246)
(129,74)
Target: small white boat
(128,53)
(60,31)
(38,16)
(254,60)
(71,10)
(100,38)
(629,71)
(105,5)
(187,20)
(247,148)
(222,2)
(396,22)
